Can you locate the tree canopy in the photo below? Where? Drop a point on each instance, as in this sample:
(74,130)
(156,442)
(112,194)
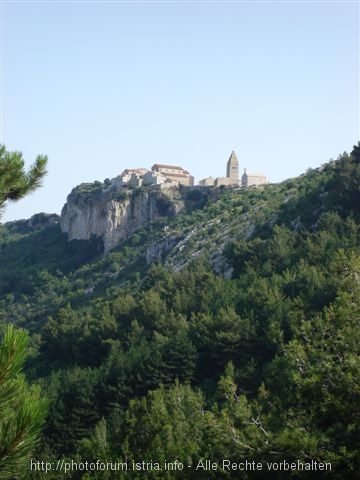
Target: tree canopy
(153,363)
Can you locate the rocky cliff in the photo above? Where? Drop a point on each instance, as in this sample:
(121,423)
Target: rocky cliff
(113,214)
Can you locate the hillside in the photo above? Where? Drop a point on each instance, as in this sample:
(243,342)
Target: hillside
(229,330)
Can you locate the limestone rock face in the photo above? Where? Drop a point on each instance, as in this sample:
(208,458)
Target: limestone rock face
(114,215)
(156,252)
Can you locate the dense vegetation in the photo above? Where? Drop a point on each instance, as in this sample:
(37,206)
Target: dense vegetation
(152,363)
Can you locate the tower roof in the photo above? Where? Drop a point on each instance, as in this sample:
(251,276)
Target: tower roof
(233,158)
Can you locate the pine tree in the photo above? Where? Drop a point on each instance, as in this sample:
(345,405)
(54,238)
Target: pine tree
(15,182)
(22,409)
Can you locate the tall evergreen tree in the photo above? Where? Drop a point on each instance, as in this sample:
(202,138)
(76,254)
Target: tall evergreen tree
(22,409)
(15,182)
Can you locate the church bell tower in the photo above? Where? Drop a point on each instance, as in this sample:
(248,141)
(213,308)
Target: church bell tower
(232,168)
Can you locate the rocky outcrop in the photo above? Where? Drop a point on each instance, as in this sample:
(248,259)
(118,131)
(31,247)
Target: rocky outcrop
(157,251)
(113,214)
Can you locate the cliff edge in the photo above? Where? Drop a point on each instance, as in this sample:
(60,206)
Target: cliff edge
(100,210)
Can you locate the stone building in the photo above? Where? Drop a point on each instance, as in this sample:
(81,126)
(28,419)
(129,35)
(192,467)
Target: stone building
(207,182)
(174,174)
(224,181)
(136,180)
(159,175)
(232,172)
(232,176)
(132,176)
(153,178)
(253,179)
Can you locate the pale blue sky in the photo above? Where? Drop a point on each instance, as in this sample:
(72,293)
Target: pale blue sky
(102,86)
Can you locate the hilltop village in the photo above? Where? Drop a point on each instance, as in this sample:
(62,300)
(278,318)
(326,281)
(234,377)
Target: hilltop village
(167,175)
(122,206)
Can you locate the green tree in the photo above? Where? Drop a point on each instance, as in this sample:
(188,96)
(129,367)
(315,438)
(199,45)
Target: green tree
(15,182)
(313,386)
(167,424)
(73,412)
(22,409)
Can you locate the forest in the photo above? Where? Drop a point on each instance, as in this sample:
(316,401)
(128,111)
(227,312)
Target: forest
(136,363)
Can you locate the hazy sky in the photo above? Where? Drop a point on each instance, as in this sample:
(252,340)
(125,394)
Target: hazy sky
(102,86)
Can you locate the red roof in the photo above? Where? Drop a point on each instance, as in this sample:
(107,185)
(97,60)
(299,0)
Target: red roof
(175,167)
